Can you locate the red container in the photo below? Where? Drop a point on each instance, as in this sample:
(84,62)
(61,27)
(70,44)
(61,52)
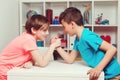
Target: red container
(49,15)
(63,43)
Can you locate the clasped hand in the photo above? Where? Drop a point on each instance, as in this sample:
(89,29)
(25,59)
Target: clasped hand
(56,41)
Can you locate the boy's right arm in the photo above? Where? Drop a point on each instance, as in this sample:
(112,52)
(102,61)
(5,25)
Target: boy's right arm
(68,57)
(43,60)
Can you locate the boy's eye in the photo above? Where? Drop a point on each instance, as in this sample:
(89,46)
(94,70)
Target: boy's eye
(63,26)
(45,30)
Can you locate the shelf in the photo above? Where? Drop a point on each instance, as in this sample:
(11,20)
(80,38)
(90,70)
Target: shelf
(104,0)
(80,0)
(88,25)
(30,1)
(109,26)
(108,10)
(56,7)
(55,25)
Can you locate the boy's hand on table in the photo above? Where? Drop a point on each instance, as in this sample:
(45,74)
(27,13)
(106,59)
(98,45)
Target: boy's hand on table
(94,74)
(28,65)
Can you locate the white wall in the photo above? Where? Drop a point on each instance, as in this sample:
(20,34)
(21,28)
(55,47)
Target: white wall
(8,21)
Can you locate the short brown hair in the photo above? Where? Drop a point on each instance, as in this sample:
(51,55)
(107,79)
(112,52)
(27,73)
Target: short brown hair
(72,14)
(37,22)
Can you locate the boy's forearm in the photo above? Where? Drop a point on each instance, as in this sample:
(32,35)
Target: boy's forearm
(66,56)
(107,58)
(48,55)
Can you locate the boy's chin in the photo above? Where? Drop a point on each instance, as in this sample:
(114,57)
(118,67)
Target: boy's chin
(41,39)
(71,35)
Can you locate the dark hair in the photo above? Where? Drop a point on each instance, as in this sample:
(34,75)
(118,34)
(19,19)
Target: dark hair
(37,22)
(72,14)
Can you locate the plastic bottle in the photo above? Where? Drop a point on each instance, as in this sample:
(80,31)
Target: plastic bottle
(56,20)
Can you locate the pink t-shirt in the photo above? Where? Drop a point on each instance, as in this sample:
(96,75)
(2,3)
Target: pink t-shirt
(17,52)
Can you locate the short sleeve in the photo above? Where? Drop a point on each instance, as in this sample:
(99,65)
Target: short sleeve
(75,45)
(94,41)
(30,45)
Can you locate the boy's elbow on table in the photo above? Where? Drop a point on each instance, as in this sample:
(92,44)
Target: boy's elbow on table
(41,64)
(69,61)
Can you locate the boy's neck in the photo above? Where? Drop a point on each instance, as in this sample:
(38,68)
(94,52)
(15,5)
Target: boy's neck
(79,31)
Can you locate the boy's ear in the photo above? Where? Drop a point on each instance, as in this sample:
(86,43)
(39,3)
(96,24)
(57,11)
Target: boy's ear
(33,30)
(72,24)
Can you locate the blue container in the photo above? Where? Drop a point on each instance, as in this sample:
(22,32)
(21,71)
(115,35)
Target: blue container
(56,20)
(39,43)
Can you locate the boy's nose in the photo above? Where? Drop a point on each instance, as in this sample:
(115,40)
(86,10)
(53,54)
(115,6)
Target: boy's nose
(47,32)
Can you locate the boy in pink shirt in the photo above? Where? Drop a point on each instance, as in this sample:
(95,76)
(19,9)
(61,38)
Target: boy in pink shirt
(23,49)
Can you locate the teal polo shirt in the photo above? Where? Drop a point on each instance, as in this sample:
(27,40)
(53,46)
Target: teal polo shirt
(88,47)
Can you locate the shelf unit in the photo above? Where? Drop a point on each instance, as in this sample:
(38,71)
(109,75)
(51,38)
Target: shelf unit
(118,30)
(109,8)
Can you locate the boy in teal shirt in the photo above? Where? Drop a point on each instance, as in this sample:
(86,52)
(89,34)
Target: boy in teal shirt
(96,52)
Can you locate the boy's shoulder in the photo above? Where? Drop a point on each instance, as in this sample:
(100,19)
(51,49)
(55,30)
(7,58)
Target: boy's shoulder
(87,34)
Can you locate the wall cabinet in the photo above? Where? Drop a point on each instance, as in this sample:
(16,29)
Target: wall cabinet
(106,10)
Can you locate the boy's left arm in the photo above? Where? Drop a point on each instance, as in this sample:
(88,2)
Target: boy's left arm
(110,52)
